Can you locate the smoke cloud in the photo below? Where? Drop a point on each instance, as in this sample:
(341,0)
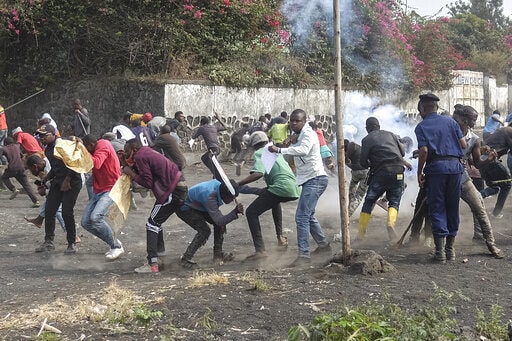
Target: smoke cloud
(303,15)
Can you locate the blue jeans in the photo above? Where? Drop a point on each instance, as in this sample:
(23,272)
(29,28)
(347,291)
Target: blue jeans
(305,214)
(390,183)
(93,219)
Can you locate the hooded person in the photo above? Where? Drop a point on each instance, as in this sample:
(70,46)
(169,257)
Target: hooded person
(47,119)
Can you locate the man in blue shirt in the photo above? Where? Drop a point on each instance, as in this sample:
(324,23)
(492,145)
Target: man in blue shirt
(202,207)
(440,144)
(493,123)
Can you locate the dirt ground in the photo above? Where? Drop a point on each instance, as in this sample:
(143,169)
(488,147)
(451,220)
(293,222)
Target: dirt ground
(239,309)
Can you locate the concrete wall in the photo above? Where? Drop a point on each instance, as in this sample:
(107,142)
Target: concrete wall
(109,99)
(106,99)
(205,99)
(502,100)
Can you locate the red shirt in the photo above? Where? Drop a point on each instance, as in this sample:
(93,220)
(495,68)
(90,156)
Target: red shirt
(321,137)
(28,142)
(106,169)
(3,121)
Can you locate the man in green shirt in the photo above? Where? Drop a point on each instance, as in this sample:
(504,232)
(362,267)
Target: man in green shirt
(281,187)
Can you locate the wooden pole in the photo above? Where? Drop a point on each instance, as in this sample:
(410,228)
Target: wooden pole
(338,107)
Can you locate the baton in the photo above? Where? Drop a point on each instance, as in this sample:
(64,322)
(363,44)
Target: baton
(416,215)
(501,181)
(23,100)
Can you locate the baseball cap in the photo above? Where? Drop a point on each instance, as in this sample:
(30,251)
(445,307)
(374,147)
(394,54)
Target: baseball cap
(46,129)
(147,117)
(16,130)
(257,137)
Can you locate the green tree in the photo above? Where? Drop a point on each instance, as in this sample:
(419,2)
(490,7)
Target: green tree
(489,10)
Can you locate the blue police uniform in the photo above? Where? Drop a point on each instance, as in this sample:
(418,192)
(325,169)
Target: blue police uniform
(443,171)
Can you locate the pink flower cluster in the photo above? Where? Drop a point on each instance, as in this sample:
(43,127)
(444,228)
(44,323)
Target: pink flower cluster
(366,29)
(508,41)
(284,35)
(11,26)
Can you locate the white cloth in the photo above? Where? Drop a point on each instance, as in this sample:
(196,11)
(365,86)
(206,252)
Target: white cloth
(52,122)
(123,132)
(306,154)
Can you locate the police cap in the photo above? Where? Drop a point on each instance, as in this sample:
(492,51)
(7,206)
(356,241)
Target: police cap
(429,98)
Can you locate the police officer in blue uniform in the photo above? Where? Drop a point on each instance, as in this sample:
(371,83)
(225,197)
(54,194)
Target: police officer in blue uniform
(441,145)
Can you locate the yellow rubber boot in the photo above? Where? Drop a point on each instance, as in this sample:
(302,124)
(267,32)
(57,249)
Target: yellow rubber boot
(392,216)
(364,220)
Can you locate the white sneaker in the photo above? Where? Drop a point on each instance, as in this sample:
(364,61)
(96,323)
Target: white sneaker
(114,253)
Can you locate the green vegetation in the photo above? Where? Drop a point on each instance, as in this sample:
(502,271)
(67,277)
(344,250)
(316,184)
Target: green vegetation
(255,281)
(145,316)
(248,42)
(48,336)
(492,326)
(387,321)
(207,321)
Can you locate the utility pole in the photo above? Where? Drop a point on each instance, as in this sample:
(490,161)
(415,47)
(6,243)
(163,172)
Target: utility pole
(338,108)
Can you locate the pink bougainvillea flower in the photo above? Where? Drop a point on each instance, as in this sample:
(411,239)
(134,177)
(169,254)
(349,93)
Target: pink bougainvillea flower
(188,8)
(416,61)
(17,32)
(284,35)
(366,29)
(221,11)
(227,2)
(243,11)
(198,14)
(508,41)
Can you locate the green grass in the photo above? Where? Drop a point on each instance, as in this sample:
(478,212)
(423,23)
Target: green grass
(387,321)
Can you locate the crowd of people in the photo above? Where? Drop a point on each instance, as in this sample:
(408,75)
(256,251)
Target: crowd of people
(290,154)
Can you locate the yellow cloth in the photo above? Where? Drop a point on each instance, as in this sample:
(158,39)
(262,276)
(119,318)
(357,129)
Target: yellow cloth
(121,195)
(392,215)
(74,155)
(364,221)
(135,117)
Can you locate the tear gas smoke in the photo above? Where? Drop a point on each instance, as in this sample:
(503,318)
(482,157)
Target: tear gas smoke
(303,15)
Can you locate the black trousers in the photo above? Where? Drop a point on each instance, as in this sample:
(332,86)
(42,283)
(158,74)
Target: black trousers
(264,202)
(22,179)
(154,234)
(496,171)
(54,198)
(421,216)
(207,160)
(199,220)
